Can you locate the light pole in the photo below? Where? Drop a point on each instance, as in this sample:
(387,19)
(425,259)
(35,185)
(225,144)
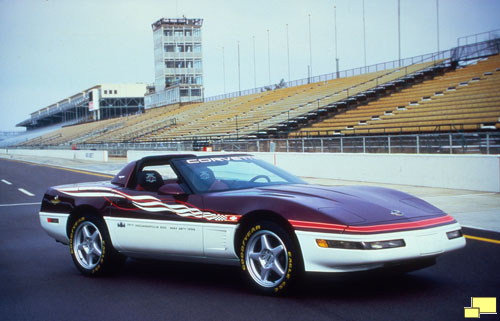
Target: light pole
(254,65)
(364,32)
(399,33)
(288,51)
(239,73)
(269,56)
(437,23)
(310,46)
(224,70)
(336,56)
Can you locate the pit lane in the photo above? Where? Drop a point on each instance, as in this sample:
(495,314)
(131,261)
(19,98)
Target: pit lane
(38,280)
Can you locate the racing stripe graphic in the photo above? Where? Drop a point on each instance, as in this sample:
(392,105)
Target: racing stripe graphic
(391,227)
(149,203)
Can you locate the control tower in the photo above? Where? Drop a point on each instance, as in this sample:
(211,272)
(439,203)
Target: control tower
(178,61)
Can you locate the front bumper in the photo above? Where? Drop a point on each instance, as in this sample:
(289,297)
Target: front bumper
(420,244)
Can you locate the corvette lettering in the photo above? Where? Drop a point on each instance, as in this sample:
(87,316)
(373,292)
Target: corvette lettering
(218,159)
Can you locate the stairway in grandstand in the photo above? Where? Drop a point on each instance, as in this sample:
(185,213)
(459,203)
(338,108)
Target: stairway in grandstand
(248,115)
(465,99)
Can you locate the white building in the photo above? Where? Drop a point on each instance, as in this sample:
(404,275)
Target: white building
(95,103)
(178,62)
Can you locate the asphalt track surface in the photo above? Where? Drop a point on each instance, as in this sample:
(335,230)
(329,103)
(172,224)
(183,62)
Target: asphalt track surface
(38,280)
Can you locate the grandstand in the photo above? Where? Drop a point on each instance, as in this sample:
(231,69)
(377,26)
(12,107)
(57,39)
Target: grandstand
(463,99)
(244,115)
(447,92)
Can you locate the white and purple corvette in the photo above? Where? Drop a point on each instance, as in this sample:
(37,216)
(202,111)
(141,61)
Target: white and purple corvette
(236,209)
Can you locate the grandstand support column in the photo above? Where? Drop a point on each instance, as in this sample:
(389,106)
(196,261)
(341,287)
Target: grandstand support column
(319,117)
(418,144)
(288,124)
(321,141)
(341,145)
(451,143)
(487,144)
(236,118)
(389,144)
(364,144)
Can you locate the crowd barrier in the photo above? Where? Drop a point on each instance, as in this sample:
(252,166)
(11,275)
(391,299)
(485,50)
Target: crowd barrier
(468,172)
(90,155)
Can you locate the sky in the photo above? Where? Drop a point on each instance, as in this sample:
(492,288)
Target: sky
(52,49)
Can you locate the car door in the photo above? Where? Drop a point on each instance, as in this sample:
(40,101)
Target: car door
(144,222)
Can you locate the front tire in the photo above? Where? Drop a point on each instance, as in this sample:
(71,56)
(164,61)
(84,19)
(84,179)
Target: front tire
(91,248)
(269,258)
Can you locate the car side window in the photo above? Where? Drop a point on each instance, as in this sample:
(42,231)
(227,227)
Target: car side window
(151,178)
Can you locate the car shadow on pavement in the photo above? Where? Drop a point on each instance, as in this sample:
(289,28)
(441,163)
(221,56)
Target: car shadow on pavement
(364,285)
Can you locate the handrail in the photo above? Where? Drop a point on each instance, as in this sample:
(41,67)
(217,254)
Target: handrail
(383,130)
(485,36)
(446,54)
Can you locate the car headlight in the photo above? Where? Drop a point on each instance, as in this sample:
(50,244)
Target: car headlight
(454,234)
(376,245)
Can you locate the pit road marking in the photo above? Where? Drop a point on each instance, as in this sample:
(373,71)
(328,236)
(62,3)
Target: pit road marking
(22,190)
(482,239)
(19,204)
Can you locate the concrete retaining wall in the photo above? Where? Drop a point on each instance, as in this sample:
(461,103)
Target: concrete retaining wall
(471,172)
(91,155)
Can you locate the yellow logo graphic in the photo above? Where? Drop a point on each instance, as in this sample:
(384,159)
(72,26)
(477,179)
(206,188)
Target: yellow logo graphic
(481,306)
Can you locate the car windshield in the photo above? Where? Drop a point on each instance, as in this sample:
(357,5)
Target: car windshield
(220,173)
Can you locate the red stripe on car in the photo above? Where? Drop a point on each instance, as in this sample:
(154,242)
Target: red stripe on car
(374,228)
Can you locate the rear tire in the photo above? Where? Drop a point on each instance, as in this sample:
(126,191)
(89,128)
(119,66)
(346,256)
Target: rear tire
(91,247)
(269,258)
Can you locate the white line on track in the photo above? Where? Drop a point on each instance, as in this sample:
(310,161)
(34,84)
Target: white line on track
(22,190)
(6,182)
(19,204)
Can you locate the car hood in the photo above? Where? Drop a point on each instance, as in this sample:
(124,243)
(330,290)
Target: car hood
(357,205)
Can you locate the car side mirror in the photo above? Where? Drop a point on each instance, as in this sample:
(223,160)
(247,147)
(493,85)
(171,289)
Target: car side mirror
(171,189)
